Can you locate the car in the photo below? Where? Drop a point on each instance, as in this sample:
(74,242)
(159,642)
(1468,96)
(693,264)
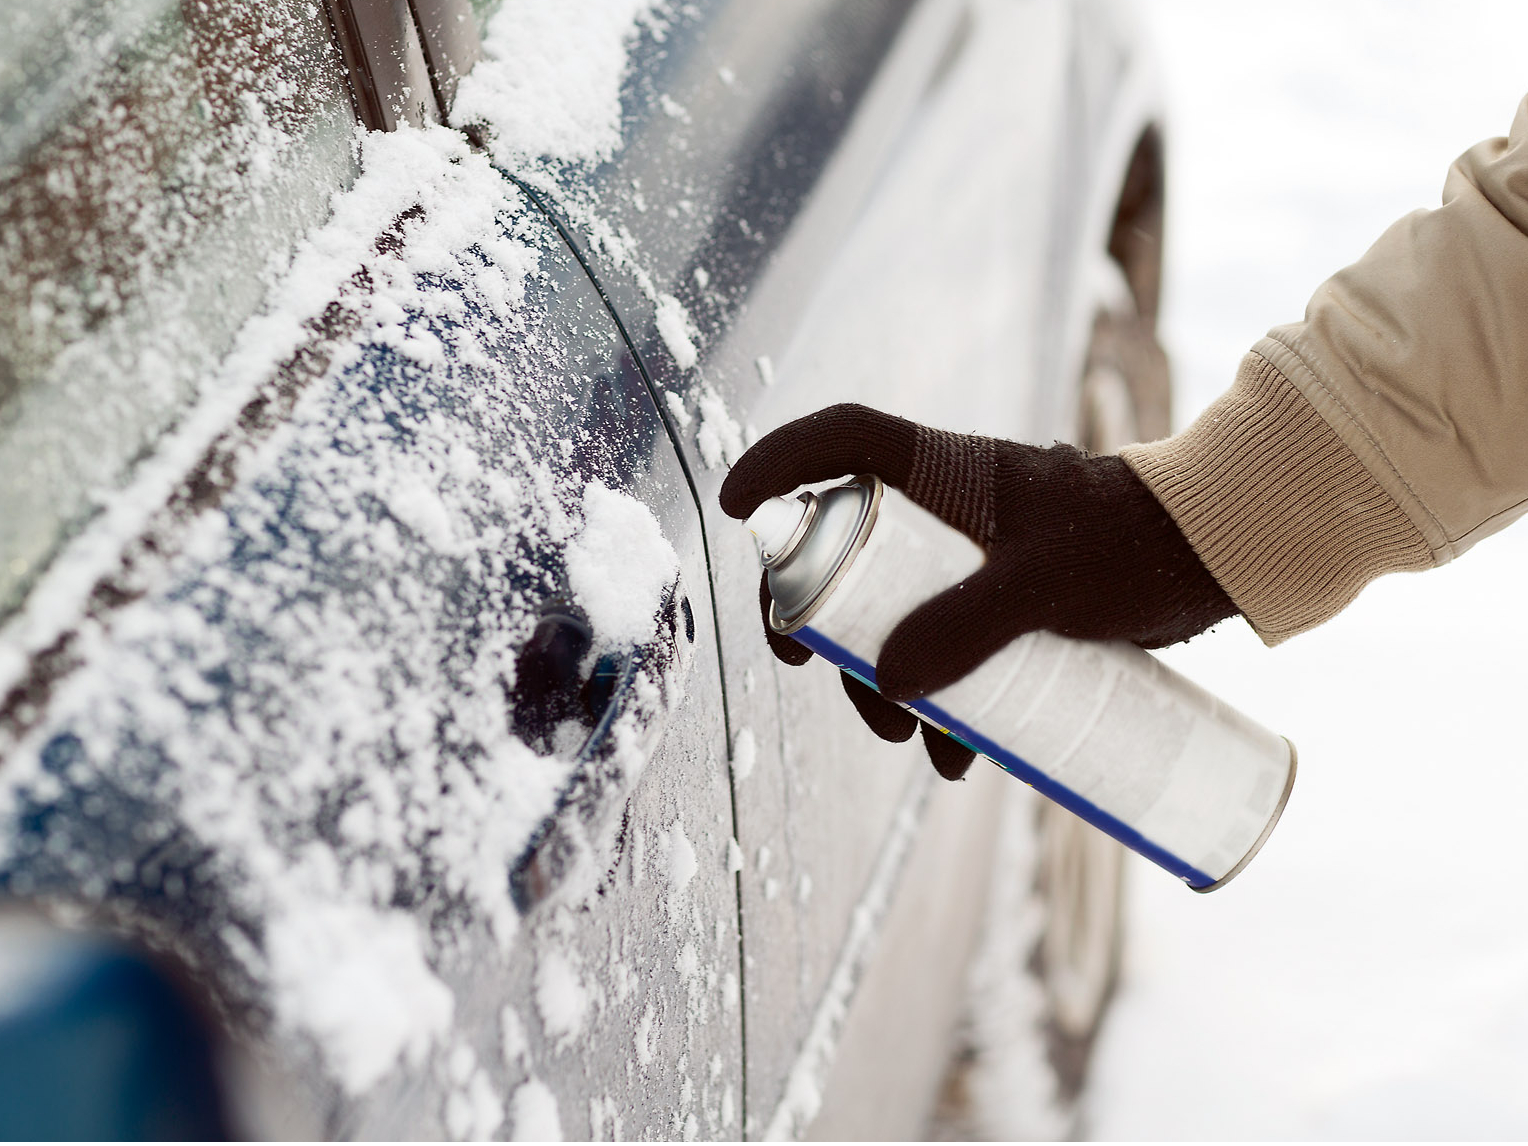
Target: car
(377,665)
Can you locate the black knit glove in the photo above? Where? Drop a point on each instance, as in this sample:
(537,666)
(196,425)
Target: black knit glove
(1075,544)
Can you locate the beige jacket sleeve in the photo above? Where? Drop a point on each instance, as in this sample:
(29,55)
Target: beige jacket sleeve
(1388,430)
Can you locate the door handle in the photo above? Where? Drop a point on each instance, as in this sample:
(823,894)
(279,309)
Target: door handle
(624,700)
(551,687)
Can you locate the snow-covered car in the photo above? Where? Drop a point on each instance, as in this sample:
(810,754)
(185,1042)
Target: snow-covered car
(375,658)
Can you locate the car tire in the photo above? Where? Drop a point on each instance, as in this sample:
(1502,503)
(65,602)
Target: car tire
(1049,962)
(1125,397)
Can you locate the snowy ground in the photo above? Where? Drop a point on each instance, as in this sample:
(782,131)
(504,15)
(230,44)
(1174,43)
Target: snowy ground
(1368,975)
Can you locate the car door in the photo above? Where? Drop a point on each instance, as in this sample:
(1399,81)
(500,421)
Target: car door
(817,202)
(355,647)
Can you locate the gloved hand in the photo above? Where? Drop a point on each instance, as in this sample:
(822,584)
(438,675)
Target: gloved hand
(1075,544)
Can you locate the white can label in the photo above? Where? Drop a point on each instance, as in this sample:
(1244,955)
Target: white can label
(1102,728)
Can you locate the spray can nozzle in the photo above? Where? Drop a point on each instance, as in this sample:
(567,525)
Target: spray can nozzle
(780,523)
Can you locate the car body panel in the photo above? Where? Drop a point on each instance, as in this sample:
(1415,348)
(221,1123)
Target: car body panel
(906,258)
(291,753)
(289,726)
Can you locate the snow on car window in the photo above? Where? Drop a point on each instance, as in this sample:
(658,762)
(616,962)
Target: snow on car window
(299,740)
(157,161)
(547,98)
(550,81)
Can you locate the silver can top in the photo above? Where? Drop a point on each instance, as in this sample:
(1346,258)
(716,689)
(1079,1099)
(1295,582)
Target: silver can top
(823,544)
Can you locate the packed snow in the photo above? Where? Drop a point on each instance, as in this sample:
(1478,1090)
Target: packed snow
(719,438)
(550,81)
(677,330)
(619,565)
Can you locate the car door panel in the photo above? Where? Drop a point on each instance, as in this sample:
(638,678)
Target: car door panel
(924,310)
(409,689)
(291,743)
(792,947)
(801,272)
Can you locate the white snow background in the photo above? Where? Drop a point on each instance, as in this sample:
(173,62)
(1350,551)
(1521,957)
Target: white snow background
(1367,975)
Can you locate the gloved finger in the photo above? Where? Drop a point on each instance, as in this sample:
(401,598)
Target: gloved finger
(951,758)
(785,649)
(886,720)
(947,636)
(840,440)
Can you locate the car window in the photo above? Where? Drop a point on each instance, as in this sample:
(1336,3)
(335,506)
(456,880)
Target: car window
(158,160)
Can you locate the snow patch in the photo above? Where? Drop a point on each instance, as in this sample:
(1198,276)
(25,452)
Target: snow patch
(673,108)
(677,331)
(720,438)
(561,998)
(533,1113)
(682,862)
(513,1043)
(474,1110)
(549,83)
(676,408)
(357,979)
(642,1042)
(679,855)
(620,565)
(745,751)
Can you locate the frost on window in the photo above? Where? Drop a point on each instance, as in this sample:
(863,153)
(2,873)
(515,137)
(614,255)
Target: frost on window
(157,161)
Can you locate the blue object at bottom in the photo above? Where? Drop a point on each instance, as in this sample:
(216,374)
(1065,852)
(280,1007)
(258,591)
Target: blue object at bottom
(831,650)
(106,1047)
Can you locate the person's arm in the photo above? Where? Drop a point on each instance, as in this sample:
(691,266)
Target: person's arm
(1388,430)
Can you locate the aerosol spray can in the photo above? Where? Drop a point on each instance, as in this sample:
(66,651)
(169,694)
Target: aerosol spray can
(1100,727)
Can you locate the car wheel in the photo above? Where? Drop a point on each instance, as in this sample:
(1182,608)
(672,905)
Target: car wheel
(1125,397)
(1050,959)
(1079,885)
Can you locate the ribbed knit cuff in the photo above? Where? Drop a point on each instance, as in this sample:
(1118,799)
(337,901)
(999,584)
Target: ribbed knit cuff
(1277,507)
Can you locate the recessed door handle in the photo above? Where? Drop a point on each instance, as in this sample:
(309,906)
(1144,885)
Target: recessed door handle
(631,690)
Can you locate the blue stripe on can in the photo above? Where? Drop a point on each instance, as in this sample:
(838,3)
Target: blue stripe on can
(831,650)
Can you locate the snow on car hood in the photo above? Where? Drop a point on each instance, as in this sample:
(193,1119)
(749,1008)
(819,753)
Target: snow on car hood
(297,738)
